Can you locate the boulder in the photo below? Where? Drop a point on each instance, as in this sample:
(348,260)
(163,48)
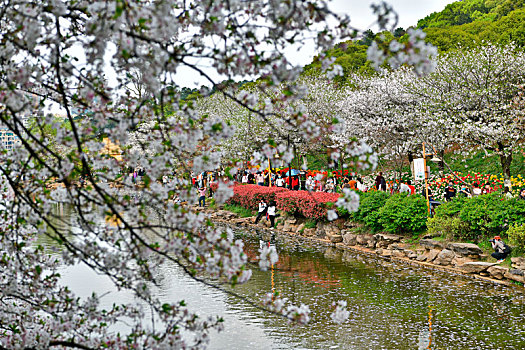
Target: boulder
(299,228)
(350,239)
(497,272)
(460,260)
(432,254)
(291,221)
(379,251)
(384,240)
(386,252)
(428,255)
(431,244)
(334,238)
(400,246)
(333,229)
(309,232)
(444,257)
(517,275)
(361,239)
(476,266)
(320,233)
(371,243)
(410,254)
(518,263)
(465,249)
(398,253)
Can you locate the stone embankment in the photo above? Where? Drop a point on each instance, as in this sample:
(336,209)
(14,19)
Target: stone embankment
(464,258)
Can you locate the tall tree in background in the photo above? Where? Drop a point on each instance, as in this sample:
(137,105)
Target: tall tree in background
(472,92)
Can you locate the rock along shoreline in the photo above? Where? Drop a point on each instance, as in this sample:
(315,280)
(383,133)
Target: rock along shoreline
(451,257)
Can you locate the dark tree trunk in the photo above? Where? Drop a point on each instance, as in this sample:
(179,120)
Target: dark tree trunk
(505,160)
(410,157)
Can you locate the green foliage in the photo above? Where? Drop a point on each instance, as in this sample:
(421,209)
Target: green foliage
(369,207)
(467,23)
(509,212)
(450,227)
(241,211)
(477,161)
(404,214)
(310,224)
(478,213)
(516,234)
(451,209)
(457,13)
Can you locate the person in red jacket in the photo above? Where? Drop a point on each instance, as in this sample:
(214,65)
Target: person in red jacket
(295,183)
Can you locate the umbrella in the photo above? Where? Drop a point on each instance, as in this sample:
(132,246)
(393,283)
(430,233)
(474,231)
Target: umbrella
(292,172)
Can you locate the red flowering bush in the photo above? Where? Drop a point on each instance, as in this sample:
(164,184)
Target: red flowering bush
(310,205)
(248,196)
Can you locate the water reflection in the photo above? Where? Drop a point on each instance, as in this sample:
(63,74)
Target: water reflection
(392,306)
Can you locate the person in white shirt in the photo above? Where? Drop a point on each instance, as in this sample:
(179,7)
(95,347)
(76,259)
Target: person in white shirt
(309,184)
(245,178)
(360,186)
(279,182)
(260,179)
(271,213)
(262,210)
(404,188)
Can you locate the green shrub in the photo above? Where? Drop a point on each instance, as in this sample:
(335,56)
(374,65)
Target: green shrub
(510,212)
(369,207)
(479,214)
(516,234)
(451,209)
(450,227)
(404,214)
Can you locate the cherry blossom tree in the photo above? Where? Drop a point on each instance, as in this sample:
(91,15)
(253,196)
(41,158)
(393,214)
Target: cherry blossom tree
(473,93)
(83,56)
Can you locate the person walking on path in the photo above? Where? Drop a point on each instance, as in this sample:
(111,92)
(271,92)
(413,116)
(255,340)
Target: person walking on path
(271,213)
(501,250)
(380,182)
(202,196)
(263,207)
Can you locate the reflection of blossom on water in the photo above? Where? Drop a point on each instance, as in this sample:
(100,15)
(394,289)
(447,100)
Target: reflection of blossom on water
(267,257)
(340,314)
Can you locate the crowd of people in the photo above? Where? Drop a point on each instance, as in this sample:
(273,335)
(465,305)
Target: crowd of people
(301,181)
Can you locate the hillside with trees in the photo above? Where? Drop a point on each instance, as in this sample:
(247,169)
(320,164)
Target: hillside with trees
(462,24)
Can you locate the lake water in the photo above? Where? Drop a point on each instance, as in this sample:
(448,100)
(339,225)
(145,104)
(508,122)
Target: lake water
(393,306)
